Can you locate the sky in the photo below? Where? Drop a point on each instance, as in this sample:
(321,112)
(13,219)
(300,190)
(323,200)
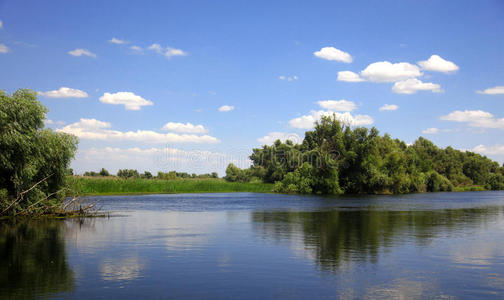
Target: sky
(193,85)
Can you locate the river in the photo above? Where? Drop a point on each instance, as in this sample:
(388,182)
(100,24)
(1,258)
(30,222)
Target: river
(263,246)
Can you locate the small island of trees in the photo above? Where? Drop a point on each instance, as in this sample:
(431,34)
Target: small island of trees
(335,158)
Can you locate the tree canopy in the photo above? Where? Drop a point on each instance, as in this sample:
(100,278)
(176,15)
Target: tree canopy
(334,158)
(33,160)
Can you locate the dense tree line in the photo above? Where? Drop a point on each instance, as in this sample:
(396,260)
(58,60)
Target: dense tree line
(131,173)
(334,158)
(33,160)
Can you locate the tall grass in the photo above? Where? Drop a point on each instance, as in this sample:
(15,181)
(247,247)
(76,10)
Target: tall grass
(114,185)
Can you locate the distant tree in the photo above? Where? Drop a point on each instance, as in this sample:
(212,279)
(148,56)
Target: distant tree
(128,173)
(214,175)
(147,175)
(104,172)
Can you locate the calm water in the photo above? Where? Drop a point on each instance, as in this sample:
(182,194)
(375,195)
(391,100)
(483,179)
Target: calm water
(445,245)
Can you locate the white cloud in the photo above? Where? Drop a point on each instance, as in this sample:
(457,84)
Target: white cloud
(430,131)
(118,41)
(1,24)
(385,71)
(438,64)
(128,99)
(187,128)
(492,150)
(92,129)
(497,90)
(337,105)
(136,48)
(167,51)
(80,52)
(282,136)
(158,159)
(226,108)
(288,78)
(4,48)
(51,122)
(475,118)
(64,92)
(308,121)
(389,107)
(331,53)
(349,76)
(413,85)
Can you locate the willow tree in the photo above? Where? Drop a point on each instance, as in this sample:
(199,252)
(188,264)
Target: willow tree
(33,159)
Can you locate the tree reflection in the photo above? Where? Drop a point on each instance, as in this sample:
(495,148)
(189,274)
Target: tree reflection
(336,237)
(33,260)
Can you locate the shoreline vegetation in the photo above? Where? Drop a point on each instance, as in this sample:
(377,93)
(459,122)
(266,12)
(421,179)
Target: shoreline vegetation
(336,158)
(111,185)
(332,159)
(116,186)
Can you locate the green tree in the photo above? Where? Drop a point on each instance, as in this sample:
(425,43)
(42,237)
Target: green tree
(104,172)
(33,161)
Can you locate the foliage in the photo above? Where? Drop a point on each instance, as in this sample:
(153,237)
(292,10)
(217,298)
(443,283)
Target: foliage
(147,175)
(33,160)
(128,173)
(172,175)
(335,158)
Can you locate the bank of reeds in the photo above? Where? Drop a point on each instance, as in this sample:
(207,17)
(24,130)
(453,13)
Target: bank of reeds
(117,186)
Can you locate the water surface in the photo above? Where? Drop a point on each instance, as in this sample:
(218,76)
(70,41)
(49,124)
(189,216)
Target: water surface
(443,245)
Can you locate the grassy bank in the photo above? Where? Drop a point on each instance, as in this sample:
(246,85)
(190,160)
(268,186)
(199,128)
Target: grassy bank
(116,186)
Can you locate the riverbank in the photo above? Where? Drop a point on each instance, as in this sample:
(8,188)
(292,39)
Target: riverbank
(94,186)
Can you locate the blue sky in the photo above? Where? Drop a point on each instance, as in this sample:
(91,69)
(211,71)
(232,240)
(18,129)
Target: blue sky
(128,68)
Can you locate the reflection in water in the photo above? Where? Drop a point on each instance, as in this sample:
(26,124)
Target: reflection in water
(33,259)
(121,269)
(335,238)
(263,246)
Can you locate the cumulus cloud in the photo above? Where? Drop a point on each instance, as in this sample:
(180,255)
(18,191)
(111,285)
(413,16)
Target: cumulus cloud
(128,99)
(226,108)
(4,49)
(158,159)
(331,53)
(475,118)
(185,128)
(337,105)
(64,92)
(81,52)
(117,41)
(349,76)
(385,71)
(136,48)
(497,90)
(92,129)
(167,51)
(438,64)
(282,136)
(413,85)
(491,150)
(389,107)
(308,121)
(430,131)
(1,24)
(288,78)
